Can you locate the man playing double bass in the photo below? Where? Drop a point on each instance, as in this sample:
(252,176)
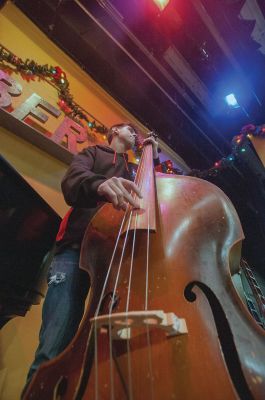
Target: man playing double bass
(96,175)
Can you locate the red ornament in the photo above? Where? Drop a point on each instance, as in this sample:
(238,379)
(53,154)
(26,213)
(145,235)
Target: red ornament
(158,168)
(59,73)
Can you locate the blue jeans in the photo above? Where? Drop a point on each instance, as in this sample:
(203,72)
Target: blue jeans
(63,307)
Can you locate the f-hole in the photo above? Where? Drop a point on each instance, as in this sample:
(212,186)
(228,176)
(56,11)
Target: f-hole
(60,388)
(225,338)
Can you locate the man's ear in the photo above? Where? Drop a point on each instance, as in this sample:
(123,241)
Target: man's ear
(115,131)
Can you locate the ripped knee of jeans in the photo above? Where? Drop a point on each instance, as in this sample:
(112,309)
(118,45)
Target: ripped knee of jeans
(59,277)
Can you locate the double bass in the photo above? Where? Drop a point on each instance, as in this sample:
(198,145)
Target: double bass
(163,319)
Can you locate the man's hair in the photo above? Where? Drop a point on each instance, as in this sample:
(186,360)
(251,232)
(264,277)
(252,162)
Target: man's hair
(110,133)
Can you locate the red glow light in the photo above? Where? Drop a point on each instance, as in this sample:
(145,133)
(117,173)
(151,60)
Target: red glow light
(161,4)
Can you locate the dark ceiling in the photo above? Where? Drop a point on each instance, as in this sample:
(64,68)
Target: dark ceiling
(171,68)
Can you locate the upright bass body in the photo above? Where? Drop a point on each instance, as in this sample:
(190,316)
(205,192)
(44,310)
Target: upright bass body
(133,343)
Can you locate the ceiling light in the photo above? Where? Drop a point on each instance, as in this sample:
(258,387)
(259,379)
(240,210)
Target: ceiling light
(231,101)
(161,4)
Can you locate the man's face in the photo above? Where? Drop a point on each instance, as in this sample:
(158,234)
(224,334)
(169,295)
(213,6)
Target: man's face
(128,135)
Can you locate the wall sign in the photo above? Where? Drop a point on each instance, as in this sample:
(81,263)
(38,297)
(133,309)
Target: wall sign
(34,106)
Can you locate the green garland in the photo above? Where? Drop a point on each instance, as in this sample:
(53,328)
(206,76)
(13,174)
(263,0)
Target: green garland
(57,77)
(239,145)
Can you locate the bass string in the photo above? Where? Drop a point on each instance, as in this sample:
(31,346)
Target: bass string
(147,260)
(127,310)
(111,307)
(146,299)
(99,306)
(117,241)
(146,307)
(114,295)
(141,168)
(150,366)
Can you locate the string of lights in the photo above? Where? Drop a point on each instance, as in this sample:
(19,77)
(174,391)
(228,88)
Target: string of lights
(57,77)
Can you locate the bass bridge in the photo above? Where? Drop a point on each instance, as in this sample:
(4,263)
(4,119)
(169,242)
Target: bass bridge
(121,324)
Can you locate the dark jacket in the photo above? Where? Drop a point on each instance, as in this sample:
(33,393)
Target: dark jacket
(87,171)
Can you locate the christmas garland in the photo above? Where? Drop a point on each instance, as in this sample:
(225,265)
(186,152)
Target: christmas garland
(248,131)
(57,77)
(239,143)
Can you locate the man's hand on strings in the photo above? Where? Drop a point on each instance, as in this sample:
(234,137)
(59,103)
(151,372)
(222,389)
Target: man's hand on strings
(118,192)
(151,139)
